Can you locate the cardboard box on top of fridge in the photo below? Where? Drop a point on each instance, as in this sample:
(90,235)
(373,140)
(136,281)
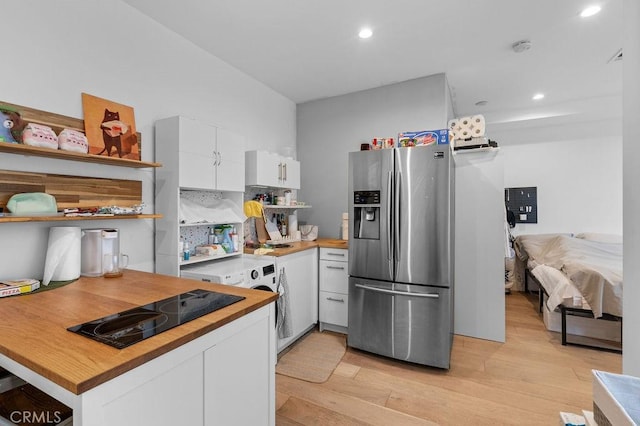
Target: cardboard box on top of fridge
(423,137)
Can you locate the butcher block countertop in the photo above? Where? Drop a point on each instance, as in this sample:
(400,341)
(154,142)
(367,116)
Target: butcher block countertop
(332,243)
(304,245)
(33,329)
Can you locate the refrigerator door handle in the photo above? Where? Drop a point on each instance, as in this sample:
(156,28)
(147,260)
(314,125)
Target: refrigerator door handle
(397,255)
(399,293)
(389,217)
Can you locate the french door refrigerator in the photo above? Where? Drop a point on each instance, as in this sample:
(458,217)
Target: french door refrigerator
(401,253)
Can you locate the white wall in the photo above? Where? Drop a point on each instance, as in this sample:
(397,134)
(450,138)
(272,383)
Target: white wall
(109,49)
(479,245)
(329,129)
(577,169)
(631,111)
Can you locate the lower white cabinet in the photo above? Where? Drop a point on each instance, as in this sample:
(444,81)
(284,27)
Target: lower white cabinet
(225,377)
(236,379)
(301,271)
(334,289)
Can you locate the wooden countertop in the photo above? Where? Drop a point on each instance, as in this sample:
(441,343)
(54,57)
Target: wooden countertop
(33,328)
(304,245)
(295,247)
(332,243)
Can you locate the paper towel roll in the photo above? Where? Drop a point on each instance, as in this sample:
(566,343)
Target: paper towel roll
(477,126)
(63,254)
(293,224)
(453,128)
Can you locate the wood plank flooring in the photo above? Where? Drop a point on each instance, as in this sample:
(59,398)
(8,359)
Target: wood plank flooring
(527,380)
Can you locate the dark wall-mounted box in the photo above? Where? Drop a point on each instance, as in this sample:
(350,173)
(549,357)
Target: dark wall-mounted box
(523,202)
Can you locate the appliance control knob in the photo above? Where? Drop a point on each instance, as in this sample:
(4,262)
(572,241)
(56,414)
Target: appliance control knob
(254,274)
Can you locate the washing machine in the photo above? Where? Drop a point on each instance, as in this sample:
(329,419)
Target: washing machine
(244,271)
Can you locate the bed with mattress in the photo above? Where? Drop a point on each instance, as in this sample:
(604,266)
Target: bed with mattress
(583,272)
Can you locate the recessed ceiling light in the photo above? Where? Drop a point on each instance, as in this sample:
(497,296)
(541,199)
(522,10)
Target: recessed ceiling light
(365,33)
(590,11)
(538,96)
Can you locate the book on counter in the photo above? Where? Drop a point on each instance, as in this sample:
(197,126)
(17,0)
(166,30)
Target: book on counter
(11,287)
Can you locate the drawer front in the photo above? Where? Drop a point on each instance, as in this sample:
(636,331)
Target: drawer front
(334,276)
(334,308)
(341,255)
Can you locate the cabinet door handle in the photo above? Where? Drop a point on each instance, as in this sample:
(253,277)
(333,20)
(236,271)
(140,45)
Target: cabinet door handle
(215,158)
(219,158)
(335,300)
(335,254)
(335,267)
(279,171)
(284,166)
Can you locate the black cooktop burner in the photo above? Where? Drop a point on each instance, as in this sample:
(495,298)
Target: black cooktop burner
(134,325)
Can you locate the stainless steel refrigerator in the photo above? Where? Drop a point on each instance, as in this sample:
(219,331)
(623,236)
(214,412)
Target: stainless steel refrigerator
(401,253)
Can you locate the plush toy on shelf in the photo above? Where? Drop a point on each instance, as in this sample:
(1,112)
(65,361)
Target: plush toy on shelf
(11,125)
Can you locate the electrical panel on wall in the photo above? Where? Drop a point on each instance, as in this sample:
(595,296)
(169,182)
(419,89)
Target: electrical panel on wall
(523,202)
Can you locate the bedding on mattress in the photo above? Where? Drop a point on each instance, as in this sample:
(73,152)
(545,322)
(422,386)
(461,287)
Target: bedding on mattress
(557,286)
(560,261)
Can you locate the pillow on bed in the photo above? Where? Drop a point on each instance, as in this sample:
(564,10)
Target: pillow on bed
(601,238)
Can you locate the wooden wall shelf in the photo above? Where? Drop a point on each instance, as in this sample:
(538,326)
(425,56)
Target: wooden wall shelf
(14,148)
(59,122)
(18,219)
(72,192)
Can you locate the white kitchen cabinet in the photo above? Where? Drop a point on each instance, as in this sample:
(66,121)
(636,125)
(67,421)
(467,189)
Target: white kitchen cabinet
(230,166)
(225,377)
(334,289)
(196,155)
(301,271)
(140,405)
(228,369)
(271,170)
(205,156)
(291,173)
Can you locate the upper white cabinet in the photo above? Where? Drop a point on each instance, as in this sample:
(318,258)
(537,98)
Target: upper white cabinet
(230,165)
(207,157)
(204,163)
(267,169)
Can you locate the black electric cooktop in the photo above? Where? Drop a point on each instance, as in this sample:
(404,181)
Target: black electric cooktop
(134,325)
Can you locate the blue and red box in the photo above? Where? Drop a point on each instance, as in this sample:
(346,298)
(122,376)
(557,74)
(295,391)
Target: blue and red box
(423,137)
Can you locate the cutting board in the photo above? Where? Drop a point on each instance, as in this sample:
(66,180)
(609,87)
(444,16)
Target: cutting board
(272,229)
(261,230)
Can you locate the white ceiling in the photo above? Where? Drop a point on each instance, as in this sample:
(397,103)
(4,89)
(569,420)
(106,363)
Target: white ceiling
(309,49)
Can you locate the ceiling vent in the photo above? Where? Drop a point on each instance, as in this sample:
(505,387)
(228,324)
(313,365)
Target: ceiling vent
(617,57)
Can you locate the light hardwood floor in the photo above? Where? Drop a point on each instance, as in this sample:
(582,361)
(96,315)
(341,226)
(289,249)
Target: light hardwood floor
(526,381)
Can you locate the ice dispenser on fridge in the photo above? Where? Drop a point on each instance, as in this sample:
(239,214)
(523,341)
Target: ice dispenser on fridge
(366,211)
